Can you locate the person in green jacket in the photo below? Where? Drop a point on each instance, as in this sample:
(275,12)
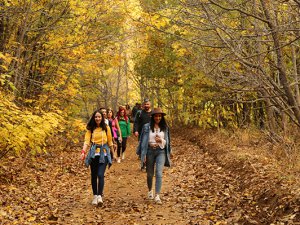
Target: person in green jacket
(124,123)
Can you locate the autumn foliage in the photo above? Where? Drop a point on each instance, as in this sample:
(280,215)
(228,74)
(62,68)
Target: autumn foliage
(228,67)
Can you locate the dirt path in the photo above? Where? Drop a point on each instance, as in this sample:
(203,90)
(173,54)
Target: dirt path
(206,185)
(125,199)
(198,189)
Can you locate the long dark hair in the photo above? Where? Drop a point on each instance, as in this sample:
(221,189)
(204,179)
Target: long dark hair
(91,125)
(162,124)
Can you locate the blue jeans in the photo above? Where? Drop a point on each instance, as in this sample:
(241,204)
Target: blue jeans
(97,175)
(155,157)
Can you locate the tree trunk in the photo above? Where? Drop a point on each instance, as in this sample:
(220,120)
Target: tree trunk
(296,64)
(280,64)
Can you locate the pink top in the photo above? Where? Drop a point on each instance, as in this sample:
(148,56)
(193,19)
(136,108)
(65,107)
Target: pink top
(114,128)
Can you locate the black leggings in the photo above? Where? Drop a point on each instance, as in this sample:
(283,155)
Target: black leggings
(122,145)
(97,175)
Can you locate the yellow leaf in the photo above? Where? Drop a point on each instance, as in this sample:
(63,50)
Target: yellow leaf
(31,219)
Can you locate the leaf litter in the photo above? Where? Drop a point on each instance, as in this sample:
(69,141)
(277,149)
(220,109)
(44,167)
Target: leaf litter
(204,186)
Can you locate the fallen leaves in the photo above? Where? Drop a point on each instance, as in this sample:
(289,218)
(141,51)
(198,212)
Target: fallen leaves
(199,189)
(232,190)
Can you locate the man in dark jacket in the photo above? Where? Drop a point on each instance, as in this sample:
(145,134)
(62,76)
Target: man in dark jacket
(142,117)
(135,109)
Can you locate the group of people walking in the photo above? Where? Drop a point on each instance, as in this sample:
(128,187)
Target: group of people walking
(106,140)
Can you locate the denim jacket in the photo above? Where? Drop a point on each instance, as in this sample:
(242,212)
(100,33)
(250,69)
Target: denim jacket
(143,144)
(91,154)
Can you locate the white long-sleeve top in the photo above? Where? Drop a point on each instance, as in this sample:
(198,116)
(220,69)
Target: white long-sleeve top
(161,134)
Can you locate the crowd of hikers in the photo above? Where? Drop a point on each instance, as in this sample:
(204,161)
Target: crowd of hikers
(105,142)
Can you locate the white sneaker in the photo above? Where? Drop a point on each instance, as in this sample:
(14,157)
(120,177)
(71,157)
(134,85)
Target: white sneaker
(95,200)
(123,155)
(150,194)
(118,160)
(157,200)
(99,200)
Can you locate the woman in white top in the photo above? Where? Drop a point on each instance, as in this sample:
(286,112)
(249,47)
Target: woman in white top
(154,148)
